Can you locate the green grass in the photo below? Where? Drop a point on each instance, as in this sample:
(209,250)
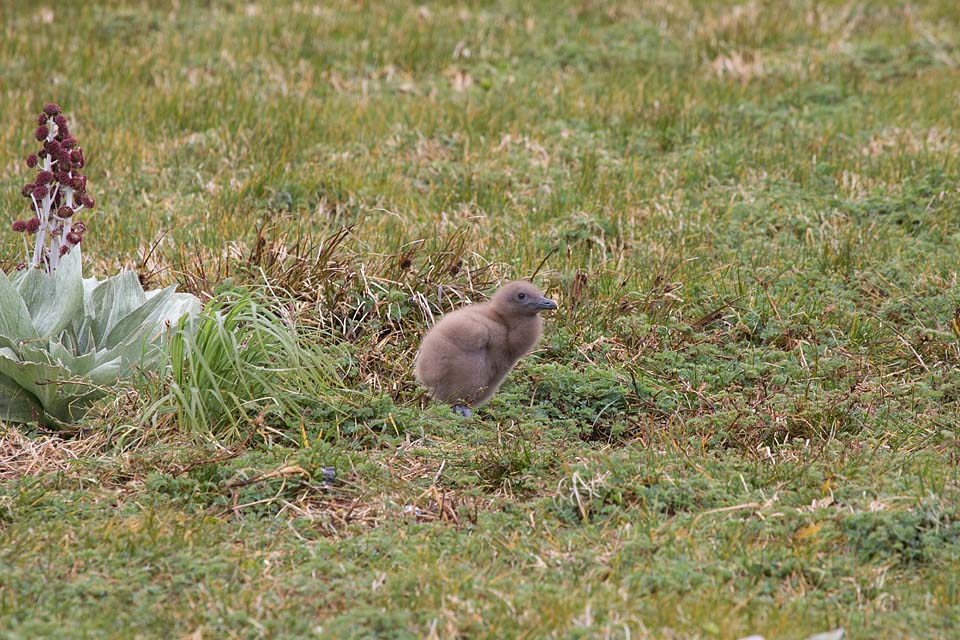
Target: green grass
(742,419)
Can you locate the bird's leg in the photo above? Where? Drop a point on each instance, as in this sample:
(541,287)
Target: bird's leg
(461,410)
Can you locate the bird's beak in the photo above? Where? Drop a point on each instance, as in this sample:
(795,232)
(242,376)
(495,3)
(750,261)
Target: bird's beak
(545,303)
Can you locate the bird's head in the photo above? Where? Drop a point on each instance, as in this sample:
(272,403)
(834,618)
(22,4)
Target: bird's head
(520,298)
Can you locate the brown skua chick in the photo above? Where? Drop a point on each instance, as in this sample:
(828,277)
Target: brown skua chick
(464,358)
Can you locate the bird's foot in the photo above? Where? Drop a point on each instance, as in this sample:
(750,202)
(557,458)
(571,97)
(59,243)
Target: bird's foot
(463,411)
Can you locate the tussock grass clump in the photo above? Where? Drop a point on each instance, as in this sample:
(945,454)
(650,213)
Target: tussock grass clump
(239,370)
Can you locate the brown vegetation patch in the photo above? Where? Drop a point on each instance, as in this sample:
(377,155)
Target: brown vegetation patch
(33,455)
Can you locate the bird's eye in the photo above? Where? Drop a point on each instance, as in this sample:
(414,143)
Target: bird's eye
(521,296)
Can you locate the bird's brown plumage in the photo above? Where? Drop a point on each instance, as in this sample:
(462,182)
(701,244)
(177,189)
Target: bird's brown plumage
(467,354)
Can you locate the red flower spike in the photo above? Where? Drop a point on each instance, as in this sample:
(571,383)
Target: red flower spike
(57,191)
(21,266)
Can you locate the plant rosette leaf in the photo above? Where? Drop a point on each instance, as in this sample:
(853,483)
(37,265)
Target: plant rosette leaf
(53,300)
(65,340)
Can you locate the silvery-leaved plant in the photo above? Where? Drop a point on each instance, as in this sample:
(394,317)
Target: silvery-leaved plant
(65,339)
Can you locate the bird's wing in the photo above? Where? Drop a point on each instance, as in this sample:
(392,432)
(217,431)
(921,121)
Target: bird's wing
(468,331)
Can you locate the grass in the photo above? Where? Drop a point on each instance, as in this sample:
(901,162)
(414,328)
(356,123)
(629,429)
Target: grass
(741,420)
(237,364)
